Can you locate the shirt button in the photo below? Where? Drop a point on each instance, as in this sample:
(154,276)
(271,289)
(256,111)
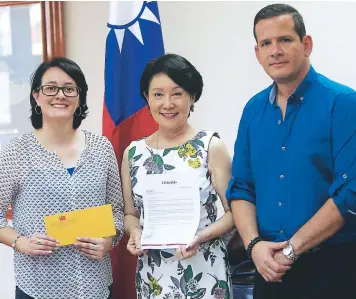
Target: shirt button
(281,176)
(279,203)
(281,231)
(283,148)
(279,122)
(301,98)
(345,176)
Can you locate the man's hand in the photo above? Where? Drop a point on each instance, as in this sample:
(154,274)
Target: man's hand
(263,256)
(281,259)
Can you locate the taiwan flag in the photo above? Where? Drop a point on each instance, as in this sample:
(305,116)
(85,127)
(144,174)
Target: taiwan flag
(134,38)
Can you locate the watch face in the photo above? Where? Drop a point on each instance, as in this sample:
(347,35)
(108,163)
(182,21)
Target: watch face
(287,250)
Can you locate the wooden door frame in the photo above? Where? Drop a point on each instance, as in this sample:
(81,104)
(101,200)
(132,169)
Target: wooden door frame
(52,26)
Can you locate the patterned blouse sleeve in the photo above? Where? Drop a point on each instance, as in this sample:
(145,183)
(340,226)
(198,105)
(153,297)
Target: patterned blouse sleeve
(114,191)
(8,179)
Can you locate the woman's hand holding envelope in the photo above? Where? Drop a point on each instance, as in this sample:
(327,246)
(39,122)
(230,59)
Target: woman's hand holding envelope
(94,248)
(37,244)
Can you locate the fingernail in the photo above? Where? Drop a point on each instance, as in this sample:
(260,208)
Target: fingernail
(50,251)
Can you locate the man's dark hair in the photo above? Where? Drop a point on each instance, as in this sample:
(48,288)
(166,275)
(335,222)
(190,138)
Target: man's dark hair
(72,70)
(279,9)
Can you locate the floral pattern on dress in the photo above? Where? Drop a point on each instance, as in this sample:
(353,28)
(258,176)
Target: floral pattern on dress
(159,274)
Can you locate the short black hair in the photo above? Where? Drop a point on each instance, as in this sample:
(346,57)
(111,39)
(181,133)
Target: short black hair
(176,67)
(72,70)
(279,9)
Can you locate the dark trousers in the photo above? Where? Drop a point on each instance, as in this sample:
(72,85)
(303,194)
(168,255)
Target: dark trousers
(21,295)
(327,273)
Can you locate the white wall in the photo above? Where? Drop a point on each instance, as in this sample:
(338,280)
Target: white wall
(217,38)
(7,281)
(85,35)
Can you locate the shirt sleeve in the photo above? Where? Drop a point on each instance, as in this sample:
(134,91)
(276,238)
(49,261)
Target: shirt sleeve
(114,192)
(343,134)
(8,179)
(241,185)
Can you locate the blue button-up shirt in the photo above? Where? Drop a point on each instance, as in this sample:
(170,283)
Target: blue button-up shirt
(289,168)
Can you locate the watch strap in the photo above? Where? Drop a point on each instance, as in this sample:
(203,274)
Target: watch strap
(292,256)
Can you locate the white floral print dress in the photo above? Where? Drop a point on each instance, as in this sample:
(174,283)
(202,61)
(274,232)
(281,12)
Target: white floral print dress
(159,274)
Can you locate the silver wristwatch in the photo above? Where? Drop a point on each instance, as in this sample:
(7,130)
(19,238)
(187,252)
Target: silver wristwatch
(289,253)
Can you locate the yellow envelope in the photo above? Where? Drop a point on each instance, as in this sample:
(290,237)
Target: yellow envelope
(95,222)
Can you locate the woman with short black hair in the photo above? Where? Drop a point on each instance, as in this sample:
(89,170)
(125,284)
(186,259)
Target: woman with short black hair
(171,85)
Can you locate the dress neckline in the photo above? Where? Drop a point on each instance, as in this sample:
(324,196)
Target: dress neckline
(174,147)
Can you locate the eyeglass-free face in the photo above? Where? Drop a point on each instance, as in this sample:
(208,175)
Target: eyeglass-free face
(169,103)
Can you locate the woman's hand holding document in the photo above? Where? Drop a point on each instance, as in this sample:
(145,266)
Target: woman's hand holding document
(172,211)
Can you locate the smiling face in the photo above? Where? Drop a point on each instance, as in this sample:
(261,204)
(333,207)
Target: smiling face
(284,57)
(169,103)
(60,106)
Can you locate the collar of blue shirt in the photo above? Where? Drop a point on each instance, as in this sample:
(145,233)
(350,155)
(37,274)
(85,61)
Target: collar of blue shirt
(299,92)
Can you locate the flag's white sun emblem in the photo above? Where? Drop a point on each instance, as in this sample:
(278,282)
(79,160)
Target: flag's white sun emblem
(125,15)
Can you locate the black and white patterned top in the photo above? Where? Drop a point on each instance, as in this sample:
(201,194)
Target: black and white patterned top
(36,184)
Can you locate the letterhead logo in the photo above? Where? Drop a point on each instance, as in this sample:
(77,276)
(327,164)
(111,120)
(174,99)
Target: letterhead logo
(169,182)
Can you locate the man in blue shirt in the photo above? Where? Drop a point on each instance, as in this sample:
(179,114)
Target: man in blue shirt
(293,186)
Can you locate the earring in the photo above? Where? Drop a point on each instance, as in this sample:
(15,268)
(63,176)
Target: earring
(192,108)
(80,113)
(38,109)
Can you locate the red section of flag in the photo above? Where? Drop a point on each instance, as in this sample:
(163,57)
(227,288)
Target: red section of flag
(139,125)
